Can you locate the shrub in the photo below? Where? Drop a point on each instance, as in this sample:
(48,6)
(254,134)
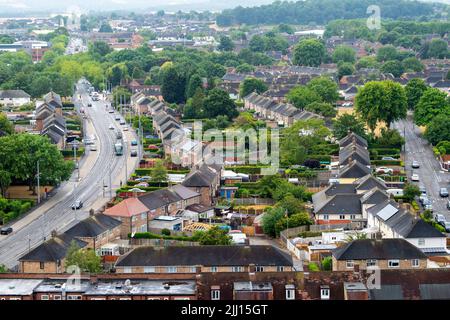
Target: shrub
(165,232)
(313,267)
(327,264)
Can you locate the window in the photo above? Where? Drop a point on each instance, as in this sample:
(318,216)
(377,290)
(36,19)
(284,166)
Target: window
(280,268)
(171,269)
(56,297)
(290,292)
(44,297)
(342,216)
(193,269)
(41,265)
(353,217)
(326,217)
(153,299)
(393,263)
(325,293)
(143,216)
(371,263)
(259,269)
(149,269)
(349,264)
(415,263)
(237,269)
(73,297)
(214,269)
(215,294)
(421,242)
(127,270)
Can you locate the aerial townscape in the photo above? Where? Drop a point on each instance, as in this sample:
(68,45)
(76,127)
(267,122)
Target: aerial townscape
(234,151)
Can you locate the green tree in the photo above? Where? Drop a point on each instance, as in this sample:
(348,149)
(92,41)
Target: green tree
(291,204)
(443,146)
(85,259)
(414,90)
(5,182)
(367,62)
(432,103)
(387,53)
(159,172)
(105,28)
(173,86)
(345,69)
(437,48)
(323,108)
(390,138)
(213,237)
(250,85)
(285,28)
(6,126)
(438,129)
(257,44)
(394,67)
(343,54)
(326,88)
(3,268)
(270,219)
(410,191)
(302,96)
(348,122)
(195,82)
(194,106)
(309,52)
(245,68)
(327,264)
(412,64)
(217,103)
(99,49)
(225,44)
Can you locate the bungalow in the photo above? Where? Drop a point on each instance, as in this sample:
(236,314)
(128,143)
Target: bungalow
(353,171)
(385,254)
(14,98)
(205,259)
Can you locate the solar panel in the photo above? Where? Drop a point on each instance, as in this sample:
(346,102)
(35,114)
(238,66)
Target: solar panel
(387,212)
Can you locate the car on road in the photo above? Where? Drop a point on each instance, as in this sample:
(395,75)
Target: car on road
(125,128)
(134,143)
(89,104)
(77,205)
(448,204)
(117,118)
(111,127)
(6,230)
(93,147)
(439,218)
(122,122)
(427,205)
(415,164)
(133,153)
(415,177)
(388,159)
(384,170)
(111,111)
(446,226)
(423,190)
(443,192)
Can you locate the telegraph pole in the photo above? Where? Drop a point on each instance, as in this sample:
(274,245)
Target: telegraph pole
(38,184)
(110,184)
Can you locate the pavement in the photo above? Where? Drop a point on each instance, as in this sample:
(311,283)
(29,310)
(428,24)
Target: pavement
(430,172)
(97,169)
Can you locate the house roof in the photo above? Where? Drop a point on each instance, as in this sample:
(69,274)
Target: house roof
(52,250)
(354,170)
(353,138)
(183,192)
(387,292)
(53,99)
(93,226)
(202,177)
(340,204)
(159,198)
(369,182)
(260,255)
(354,152)
(127,208)
(13,94)
(383,249)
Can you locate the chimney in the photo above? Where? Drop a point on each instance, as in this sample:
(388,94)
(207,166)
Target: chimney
(54,233)
(91,212)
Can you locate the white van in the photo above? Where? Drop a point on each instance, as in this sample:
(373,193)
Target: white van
(395,192)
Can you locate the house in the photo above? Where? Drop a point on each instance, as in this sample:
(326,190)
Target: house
(205,180)
(353,171)
(166,222)
(385,254)
(204,259)
(195,212)
(389,220)
(50,120)
(354,152)
(14,98)
(353,138)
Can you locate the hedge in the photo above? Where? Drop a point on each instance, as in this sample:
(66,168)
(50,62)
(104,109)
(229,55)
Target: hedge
(148,189)
(75,127)
(69,153)
(132,183)
(386,162)
(152,141)
(256,169)
(149,235)
(148,171)
(384,151)
(319,157)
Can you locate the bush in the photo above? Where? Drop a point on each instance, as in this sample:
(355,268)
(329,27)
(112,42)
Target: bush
(327,264)
(386,162)
(149,235)
(313,267)
(165,232)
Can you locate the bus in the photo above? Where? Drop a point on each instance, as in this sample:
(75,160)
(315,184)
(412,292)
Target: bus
(118,148)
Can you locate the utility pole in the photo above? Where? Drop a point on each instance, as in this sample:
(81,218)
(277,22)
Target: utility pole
(125,158)
(110,184)
(38,184)
(139,135)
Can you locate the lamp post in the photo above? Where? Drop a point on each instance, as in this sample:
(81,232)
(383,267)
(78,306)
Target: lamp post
(38,184)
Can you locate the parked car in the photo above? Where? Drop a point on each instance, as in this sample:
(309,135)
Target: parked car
(384,170)
(439,218)
(122,122)
(415,177)
(125,128)
(415,164)
(446,226)
(93,147)
(389,159)
(77,205)
(6,230)
(448,204)
(111,111)
(134,143)
(143,178)
(443,192)
(423,190)
(142,184)
(423,197)
(111,127)
(427,205)
(395,192)
(133,153)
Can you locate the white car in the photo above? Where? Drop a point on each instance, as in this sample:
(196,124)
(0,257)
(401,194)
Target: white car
(415,177)
(93,147)
(111,127)
(125,128)
(384,170)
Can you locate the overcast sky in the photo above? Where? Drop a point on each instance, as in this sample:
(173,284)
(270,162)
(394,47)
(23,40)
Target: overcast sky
(20,6)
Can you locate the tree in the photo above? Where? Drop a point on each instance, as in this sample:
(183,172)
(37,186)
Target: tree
(387,53)
(270,219)
(285,28)
(412,64)
(293,221)
(225,44)
(414,89)
(105,28)
(344,54)
(173,86)
(159,172)
(327,263)
(250,85)
(390,138)
(432,103)
(444,147)
(438,129)
(194,106)
(323,108)
(302,96)
(195,82)
(326,88)
(309,52)
(394,67)
(217,103)
(410,191)
(345,69)
(3,268)
(291,204)
(257,43)
(85,259)
(348,122)
(6,126)
(437,48)
(19,154)
(367,62)
(213,237)
(99,48)
(245,68)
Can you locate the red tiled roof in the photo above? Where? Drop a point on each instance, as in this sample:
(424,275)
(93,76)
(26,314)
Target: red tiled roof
(127,208)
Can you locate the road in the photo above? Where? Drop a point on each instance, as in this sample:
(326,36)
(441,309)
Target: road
(96,170)
(430,174)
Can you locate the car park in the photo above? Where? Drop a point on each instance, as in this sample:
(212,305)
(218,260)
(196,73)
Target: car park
(415,164)
(6,230)
(443,192)
(415,177)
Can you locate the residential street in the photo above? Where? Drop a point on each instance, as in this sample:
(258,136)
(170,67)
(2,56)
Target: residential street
(96,168)
(430,174)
